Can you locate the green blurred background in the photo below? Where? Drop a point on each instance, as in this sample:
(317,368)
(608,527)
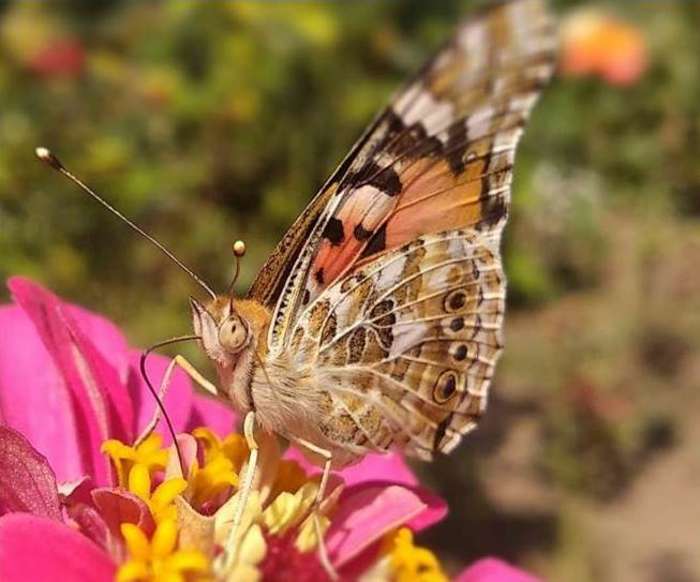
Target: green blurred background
(207,122)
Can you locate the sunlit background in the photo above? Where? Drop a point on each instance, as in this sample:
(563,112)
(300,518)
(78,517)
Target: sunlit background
(206,122)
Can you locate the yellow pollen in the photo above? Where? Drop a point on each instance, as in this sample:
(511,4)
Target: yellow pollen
(290,477)
(136,467)
(210,482)
(412,563)
(233,447)
(150,454)
(157,559)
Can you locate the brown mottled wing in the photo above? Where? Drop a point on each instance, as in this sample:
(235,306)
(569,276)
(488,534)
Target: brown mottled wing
(405,347)
(438,158)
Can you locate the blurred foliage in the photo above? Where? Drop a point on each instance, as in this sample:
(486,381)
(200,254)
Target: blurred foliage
(211,121)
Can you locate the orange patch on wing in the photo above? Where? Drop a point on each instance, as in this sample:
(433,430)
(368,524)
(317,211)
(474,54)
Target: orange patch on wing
(435,200)
(367,206)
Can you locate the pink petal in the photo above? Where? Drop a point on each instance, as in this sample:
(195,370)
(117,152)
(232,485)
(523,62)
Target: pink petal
(178,399)
(377,467)
(434,512)
(494,570)
(117,506)
(36,549)
(103,408)
(76,491)
(108,340)
(90,523)
(367,512)
(212,414)
(104,347)
(34,400)
(27,483)
(374,467)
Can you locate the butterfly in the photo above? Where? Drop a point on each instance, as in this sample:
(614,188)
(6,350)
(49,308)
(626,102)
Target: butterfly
(377,321)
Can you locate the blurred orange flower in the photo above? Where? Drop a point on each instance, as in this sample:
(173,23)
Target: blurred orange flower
(595,42)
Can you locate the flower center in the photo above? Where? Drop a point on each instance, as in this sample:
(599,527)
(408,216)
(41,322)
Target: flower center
(158,559)
(278,535)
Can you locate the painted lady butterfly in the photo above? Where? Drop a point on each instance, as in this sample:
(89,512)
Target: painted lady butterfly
(377,321)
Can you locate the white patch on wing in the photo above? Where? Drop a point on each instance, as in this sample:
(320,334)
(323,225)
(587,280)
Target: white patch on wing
(418,105)
(505,141)
(455,247)
(479,122)
(367,206)
(390,275)
(407,99)
(407,337)
(342,311)
(523,103)
(472,40)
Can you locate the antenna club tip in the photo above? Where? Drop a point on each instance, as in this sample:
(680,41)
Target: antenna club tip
(47,156)
(239,248)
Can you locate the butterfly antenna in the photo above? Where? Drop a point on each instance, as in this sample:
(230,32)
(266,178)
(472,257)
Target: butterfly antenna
(238,252)
(46,156)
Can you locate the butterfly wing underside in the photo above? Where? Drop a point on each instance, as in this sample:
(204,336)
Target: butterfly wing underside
(407,344)
(390,284)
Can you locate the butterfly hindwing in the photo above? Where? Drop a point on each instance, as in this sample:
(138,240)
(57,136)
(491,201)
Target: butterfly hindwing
(405,347)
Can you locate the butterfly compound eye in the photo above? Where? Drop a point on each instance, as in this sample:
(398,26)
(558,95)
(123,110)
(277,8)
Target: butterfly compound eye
(233,334)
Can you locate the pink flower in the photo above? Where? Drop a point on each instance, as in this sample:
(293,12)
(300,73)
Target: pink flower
(70,391)
(494,570)
(597,43)
(35,548)
(69,381)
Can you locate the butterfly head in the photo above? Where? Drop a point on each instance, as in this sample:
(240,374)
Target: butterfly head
(225,332)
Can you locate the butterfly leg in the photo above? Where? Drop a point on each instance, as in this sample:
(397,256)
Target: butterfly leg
(328,460)
(244,491)
(193,373)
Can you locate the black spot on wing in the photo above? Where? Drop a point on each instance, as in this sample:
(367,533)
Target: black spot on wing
(457,324)
(414,142)
(384,179)
(456,146)
(376,244)
(333,231)
(493,209)
(440,432)
(460,353)
(361,233)
(388,128)
(319,276)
